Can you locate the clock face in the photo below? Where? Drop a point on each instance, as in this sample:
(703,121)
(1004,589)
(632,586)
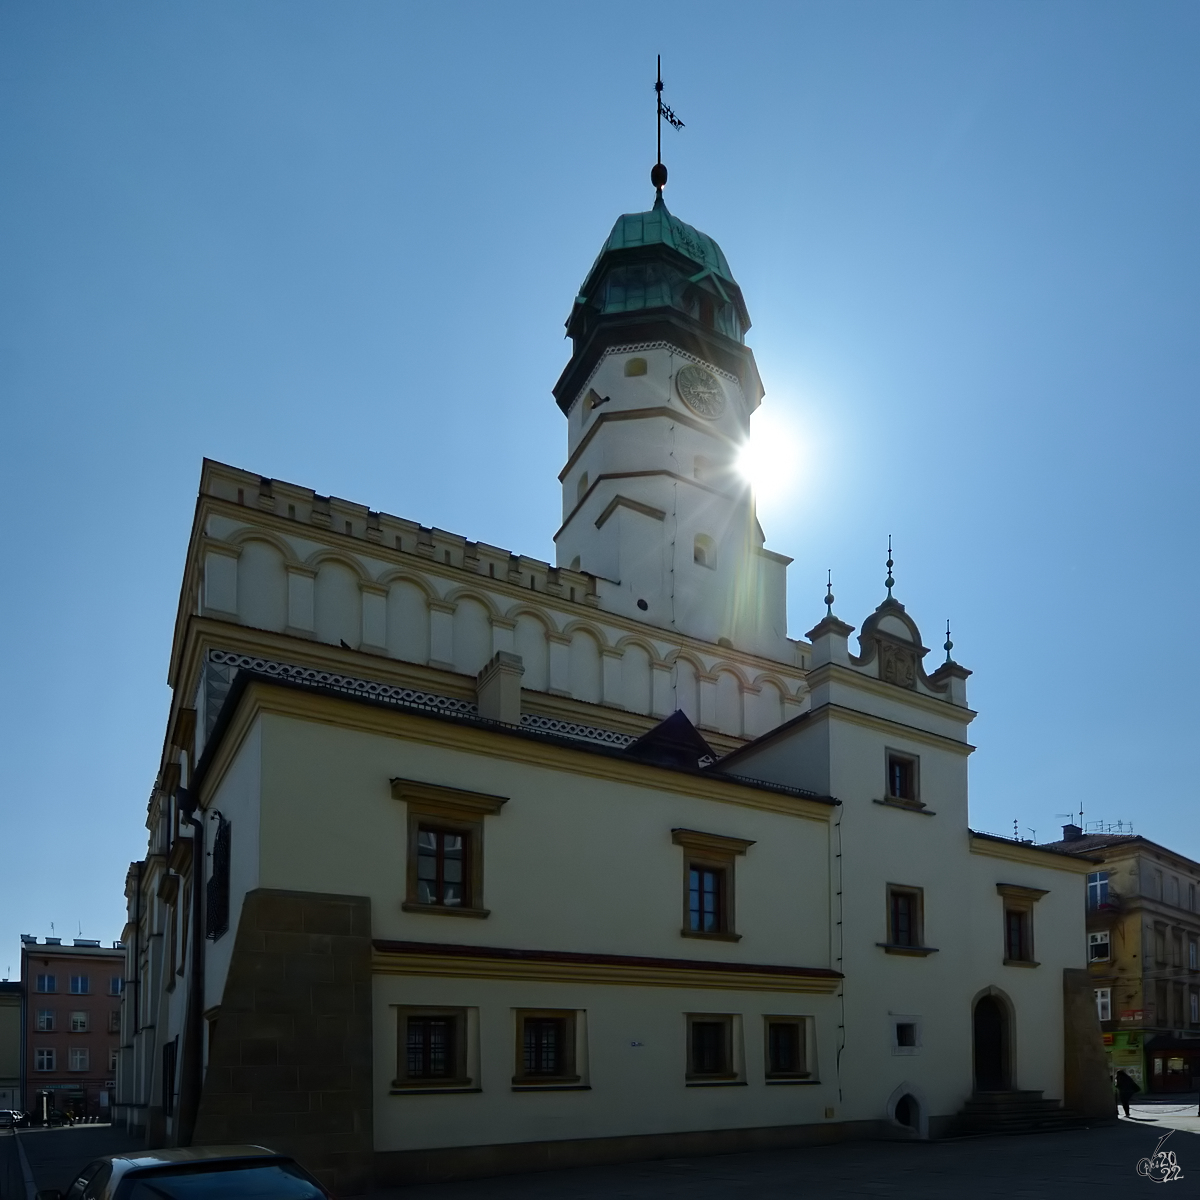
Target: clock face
(701,391)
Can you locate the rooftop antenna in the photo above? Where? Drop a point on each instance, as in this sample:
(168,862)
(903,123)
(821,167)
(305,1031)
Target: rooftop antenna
(889,582)
(658,173)
(829,593)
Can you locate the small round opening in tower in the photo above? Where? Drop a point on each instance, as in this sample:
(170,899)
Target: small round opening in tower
(658,176)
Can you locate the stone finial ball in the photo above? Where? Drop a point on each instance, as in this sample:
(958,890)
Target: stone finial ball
(658,175)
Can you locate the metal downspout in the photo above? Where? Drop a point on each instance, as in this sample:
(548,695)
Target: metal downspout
(191,1075)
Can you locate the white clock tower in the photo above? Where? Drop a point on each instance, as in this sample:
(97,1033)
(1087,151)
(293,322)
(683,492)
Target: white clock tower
(658,396)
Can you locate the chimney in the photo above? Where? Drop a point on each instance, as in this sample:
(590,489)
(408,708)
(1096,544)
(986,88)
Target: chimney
(498,688)
(1071,833)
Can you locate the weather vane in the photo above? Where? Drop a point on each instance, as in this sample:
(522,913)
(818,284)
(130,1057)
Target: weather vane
(658,173)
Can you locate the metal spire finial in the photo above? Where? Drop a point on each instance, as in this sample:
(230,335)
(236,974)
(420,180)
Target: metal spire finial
(829,593)
(658,173)
(889,582)
(949,644)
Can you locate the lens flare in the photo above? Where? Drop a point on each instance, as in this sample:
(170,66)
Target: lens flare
(770,459)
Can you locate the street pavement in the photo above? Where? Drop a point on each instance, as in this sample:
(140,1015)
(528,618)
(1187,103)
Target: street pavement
(1093,1163)
(55,1155)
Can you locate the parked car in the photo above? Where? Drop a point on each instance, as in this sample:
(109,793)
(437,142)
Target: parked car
(196,1173)
(12,1116)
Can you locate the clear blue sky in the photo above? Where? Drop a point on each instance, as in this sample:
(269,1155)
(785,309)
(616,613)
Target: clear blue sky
(336,243)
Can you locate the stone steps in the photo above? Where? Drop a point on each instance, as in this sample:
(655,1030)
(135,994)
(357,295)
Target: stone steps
(1013,1112)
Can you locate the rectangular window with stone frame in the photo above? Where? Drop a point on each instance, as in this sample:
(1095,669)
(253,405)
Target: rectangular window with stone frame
(1018,905)
(709,889)
(903,778)
(785,1041)
(905,921)
(711,1049)
(444,869)
(432,1045)
(546,1049)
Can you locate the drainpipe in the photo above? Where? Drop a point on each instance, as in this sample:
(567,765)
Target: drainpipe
(191,1075)
(133,1085)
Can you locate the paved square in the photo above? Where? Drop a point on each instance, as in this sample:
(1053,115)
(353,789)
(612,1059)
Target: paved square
(1094,1163)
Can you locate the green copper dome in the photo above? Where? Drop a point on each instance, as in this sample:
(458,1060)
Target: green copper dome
(659,228)
(658,279)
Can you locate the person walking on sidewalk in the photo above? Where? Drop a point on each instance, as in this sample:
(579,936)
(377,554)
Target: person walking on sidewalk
(1126,1089)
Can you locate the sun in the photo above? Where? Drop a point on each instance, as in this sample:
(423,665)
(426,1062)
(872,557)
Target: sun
(770,458)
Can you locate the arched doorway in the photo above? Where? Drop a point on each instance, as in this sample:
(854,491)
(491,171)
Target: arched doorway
(992,1042)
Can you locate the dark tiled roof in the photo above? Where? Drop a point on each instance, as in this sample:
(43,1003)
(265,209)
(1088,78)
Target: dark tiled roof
(1090,842)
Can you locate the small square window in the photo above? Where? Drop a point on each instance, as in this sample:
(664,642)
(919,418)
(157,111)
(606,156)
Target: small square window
(906,1034)
(787,1048)
(45,1020)
(710,1048)
(546,1054)
(1099,946)
(79,1022)
(43,1060)
(46,983)
(433,1048)
(902,778)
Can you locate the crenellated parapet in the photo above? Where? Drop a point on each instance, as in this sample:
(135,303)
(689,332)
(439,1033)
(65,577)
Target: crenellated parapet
(273,557)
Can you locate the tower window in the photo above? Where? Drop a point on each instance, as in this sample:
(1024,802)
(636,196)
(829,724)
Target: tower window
(704,551)
(581,489)
(902,778)
(635,366)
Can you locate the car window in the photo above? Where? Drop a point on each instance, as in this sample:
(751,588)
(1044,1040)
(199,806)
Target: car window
(98,1182)
(232,1181)
(75,1191)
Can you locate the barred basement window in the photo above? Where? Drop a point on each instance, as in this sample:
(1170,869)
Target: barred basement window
(217,907)
(786,1048)
(545,1048)
(710,1048)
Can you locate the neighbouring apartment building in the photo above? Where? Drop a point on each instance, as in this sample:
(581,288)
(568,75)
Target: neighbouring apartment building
(1143,931)
(72,1030)
(464,862)
(10,1044)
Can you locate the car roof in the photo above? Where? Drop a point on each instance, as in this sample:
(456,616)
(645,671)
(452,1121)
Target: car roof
(188,1154)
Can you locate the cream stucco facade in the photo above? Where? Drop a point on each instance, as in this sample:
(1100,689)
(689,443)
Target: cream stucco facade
(505,863)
